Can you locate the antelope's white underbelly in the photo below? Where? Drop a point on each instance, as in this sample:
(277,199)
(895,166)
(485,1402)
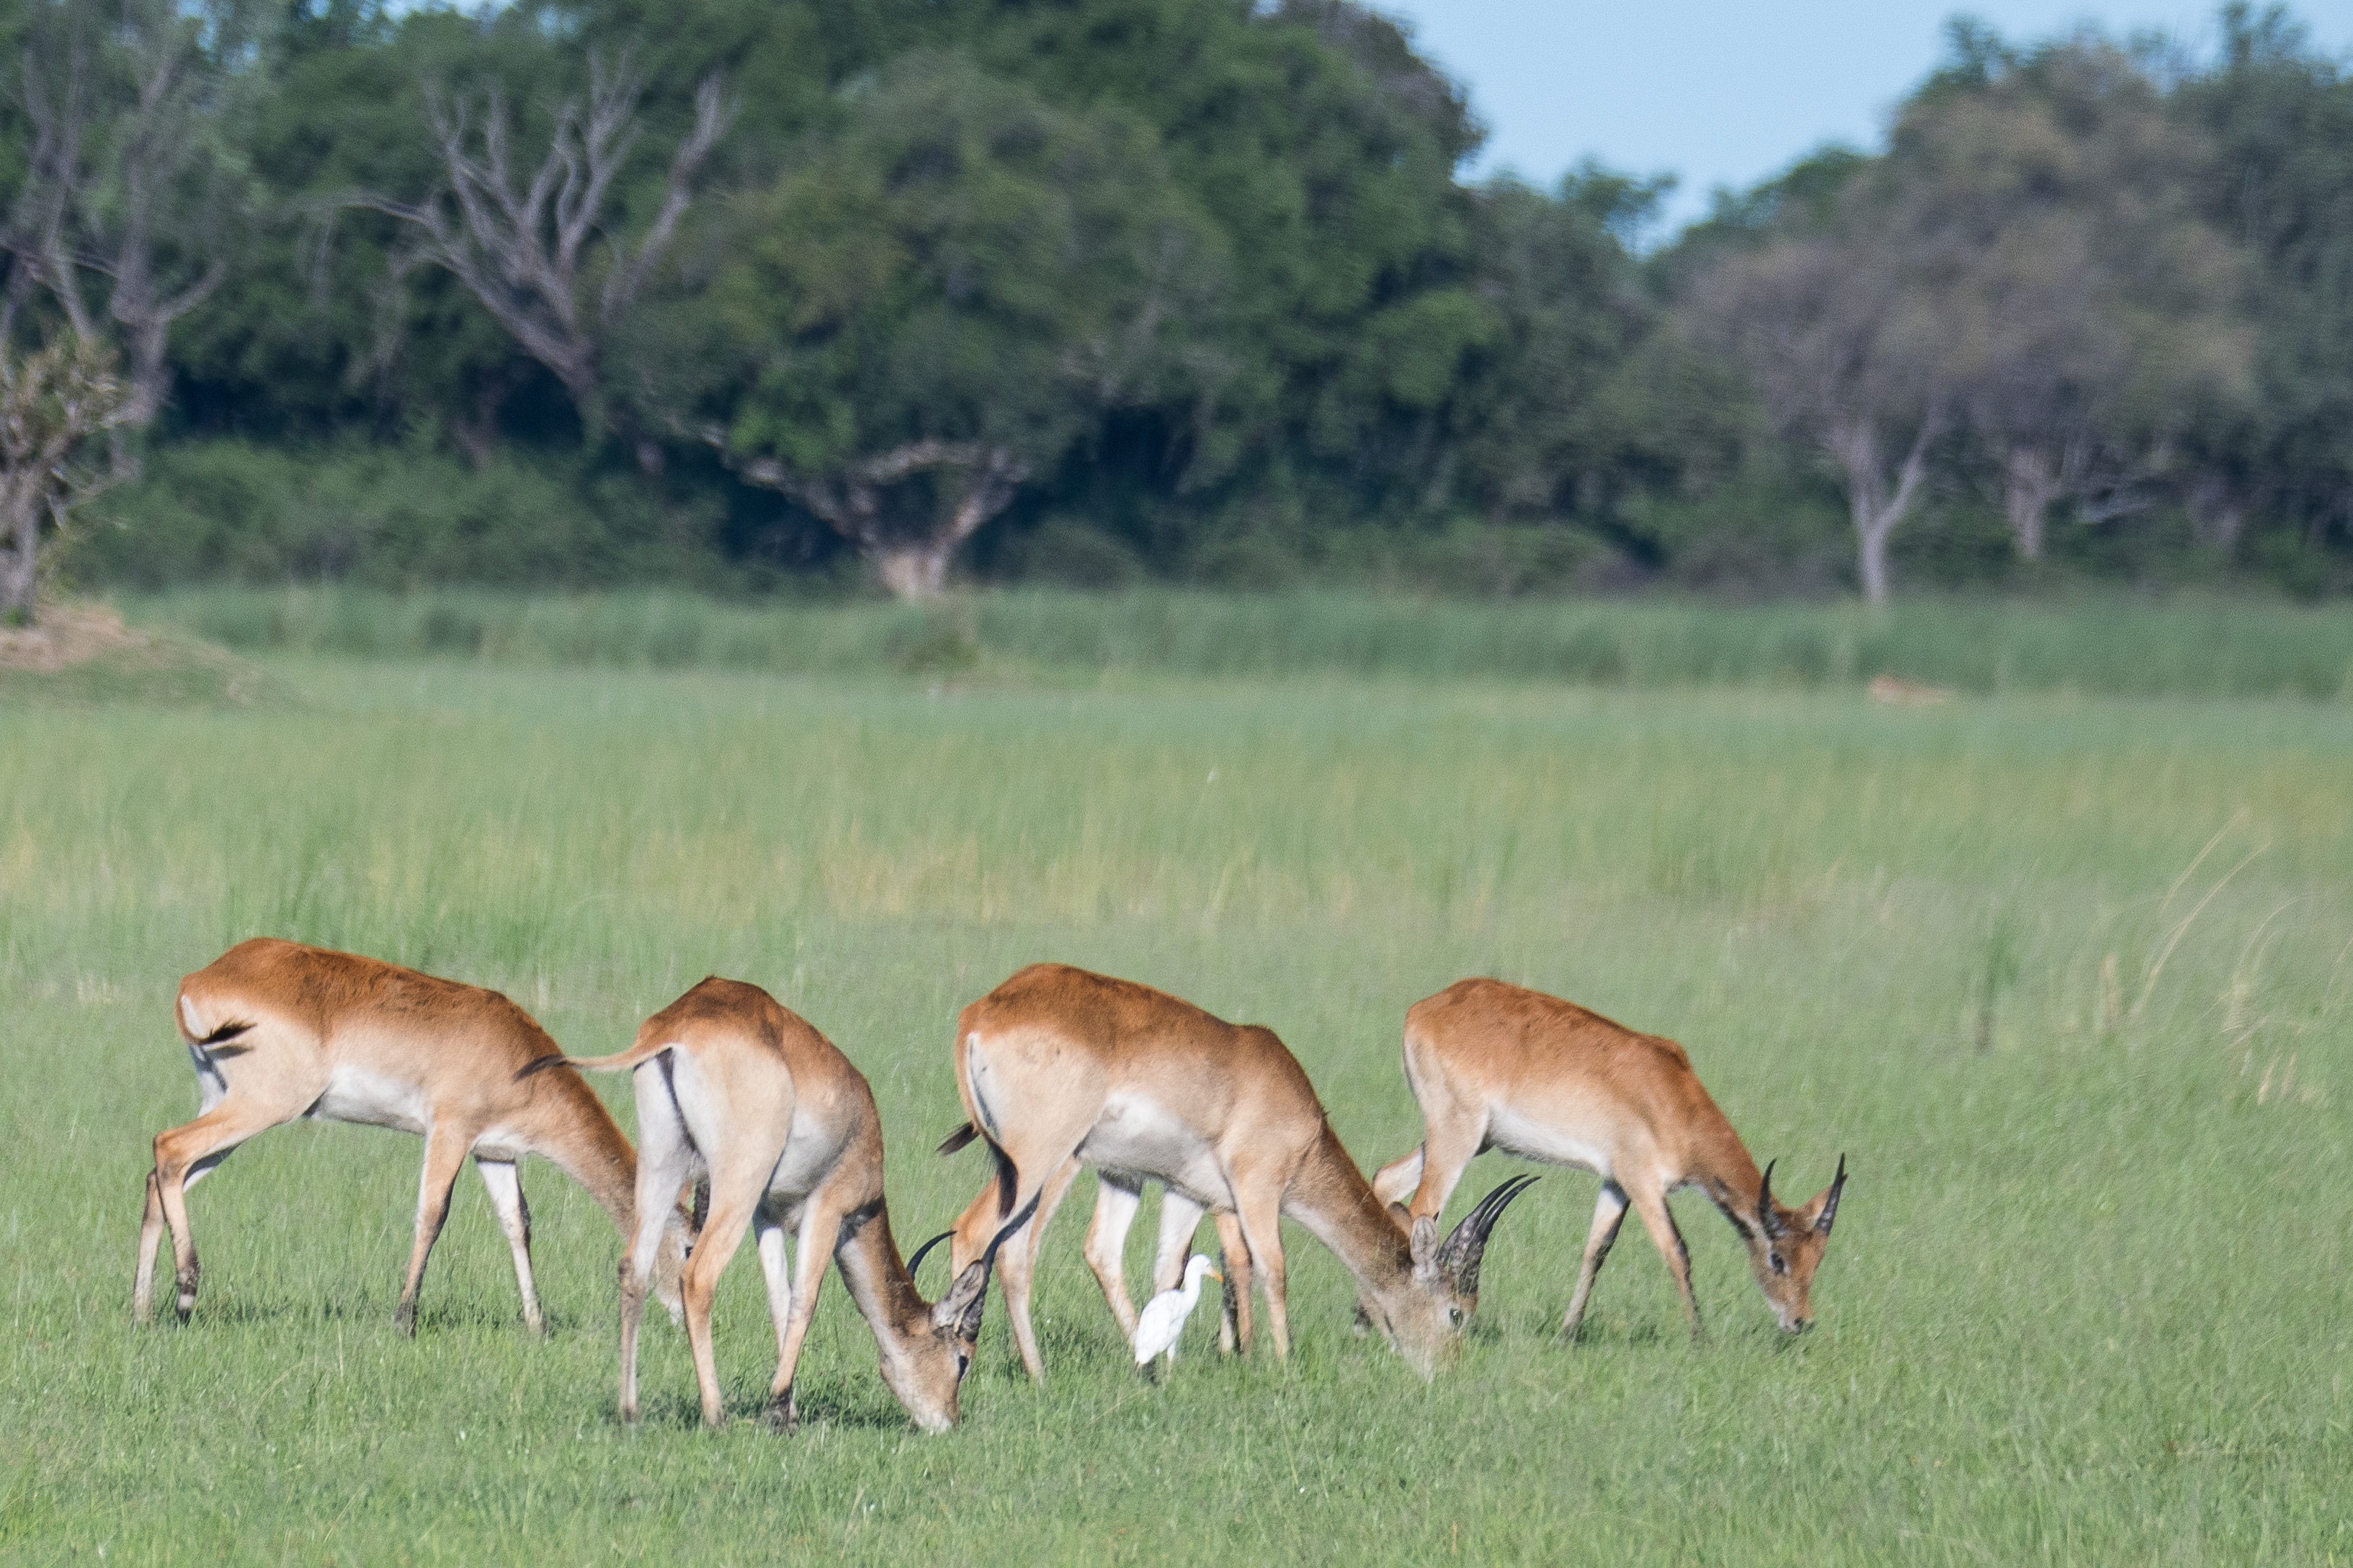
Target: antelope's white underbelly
(371,1099)
(1532,1139)
(1138,1135)
(809,1158)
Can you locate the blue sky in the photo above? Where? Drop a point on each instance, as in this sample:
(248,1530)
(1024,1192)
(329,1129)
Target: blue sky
(1726,92)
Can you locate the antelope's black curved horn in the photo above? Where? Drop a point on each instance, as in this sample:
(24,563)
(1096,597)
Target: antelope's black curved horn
(1829,1205)
(1768,1216)
(1016,1222)
(917,1261)
(1459,1257)
(1501,1199)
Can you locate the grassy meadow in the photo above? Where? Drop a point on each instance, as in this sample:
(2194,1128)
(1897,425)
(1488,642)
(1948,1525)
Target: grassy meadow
(2067,977)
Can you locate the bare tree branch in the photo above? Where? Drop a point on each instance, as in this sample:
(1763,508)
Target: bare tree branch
(526,251)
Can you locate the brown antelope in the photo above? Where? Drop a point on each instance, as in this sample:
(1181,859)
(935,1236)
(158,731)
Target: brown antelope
(280,1031)
(1497,1066)
(1059,1065)
(734,1089)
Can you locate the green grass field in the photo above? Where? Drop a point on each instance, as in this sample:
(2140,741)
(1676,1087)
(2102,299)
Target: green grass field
(2066,978)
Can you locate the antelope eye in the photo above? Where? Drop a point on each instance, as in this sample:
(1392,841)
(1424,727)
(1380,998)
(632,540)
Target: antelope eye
(964,1364)
(1779,1266)
(1454,1317)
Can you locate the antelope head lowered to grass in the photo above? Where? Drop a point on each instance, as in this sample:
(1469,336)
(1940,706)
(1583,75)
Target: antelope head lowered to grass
(734,1089)
(1059,1065)
(1497,1066)
(278,1031)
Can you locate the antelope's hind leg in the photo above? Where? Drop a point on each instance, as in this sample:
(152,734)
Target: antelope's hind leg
(1608,1213)
(1106,1249)
(667,1161)
(445,1156)
(183,1156)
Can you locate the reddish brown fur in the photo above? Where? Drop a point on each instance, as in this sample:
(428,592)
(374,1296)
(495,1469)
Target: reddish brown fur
(315,1020)
(1067,1052)
(733,1086)
(1499,1066)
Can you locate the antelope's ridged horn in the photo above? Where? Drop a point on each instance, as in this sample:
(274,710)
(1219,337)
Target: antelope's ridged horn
(1767,1214)
(917,1261)
(1010,1226)
(1459,1257)
(1829,1205)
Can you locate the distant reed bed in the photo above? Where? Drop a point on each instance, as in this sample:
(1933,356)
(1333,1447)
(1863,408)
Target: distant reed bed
(2206,647)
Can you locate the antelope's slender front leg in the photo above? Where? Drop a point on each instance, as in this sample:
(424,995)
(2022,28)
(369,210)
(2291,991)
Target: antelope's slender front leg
(1260,1216)
(820,1229)
(503,1181)
(1234,1321)
(776,1267)
(1659,1221)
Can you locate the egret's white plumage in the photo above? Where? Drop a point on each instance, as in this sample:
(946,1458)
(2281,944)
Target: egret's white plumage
(1162,1318)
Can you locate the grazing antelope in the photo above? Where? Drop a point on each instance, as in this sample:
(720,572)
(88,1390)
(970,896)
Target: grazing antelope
(278,1031)
(1058,1065)
(734,1087)
(1497,1066)
(1117,1197)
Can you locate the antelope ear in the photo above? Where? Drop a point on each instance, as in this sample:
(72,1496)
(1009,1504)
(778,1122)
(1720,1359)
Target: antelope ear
(959,1311)
(1424,1245)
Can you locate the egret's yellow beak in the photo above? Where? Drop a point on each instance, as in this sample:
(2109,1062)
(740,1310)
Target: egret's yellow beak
(1218,1276)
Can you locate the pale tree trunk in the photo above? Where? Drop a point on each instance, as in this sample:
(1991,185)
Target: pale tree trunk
(2030,484)
(912,566)
(20,519)
(1876,507)
(52,400)
(2216,515)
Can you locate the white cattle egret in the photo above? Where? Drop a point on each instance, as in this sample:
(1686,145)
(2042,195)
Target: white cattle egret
(1162,1318)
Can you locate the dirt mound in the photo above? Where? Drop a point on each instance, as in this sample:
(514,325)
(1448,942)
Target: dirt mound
(84,653)
(66,634)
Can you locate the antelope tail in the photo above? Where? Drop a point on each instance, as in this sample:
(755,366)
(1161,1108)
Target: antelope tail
(643,1051)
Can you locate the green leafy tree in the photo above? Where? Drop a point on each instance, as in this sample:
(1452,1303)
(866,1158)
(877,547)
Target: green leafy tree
(2279,116)
(2092,309)
(943,300)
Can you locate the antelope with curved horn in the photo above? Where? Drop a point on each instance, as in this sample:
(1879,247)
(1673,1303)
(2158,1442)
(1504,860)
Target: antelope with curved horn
(278,1031)
(1060,1064)
(734,1087)
(1497,1066)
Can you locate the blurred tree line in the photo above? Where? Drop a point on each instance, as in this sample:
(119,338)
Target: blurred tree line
(757,293)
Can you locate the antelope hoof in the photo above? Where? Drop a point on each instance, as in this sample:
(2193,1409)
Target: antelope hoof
(404,1320)
(782,1414)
